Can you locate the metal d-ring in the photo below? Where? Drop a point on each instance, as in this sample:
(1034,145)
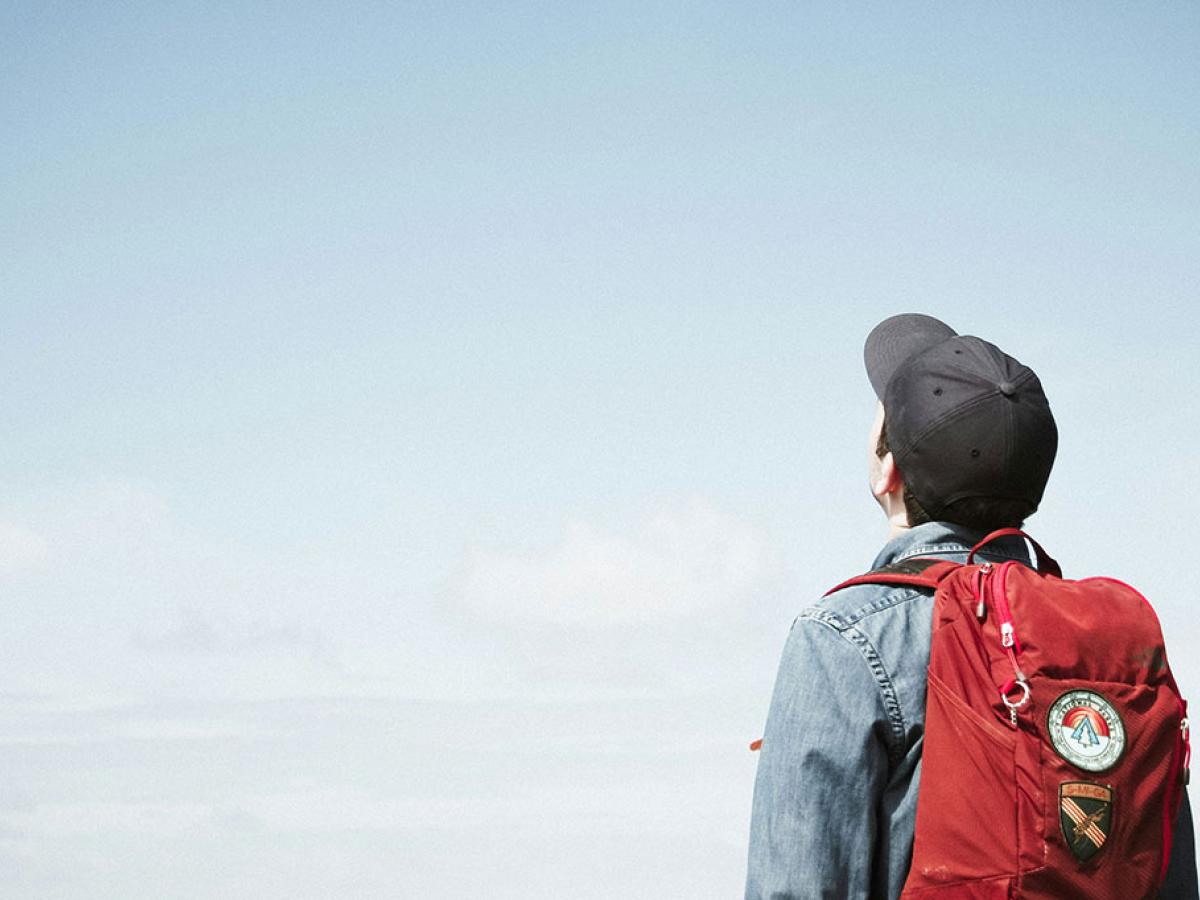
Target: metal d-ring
(1024,686)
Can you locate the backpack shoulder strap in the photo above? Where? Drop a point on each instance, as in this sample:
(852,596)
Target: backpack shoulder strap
(918,571)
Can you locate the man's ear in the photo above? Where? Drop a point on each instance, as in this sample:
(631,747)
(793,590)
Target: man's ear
(889,480)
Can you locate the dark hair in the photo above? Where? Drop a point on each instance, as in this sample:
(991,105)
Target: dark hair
(979,513)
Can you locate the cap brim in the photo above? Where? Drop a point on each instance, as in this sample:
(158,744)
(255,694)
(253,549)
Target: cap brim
(897,339)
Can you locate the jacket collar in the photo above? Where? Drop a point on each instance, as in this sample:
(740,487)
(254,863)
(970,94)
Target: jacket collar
(946,539)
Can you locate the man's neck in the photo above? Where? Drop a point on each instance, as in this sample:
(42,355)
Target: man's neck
(898,525)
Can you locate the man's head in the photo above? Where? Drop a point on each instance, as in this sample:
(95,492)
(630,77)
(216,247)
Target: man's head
(963,432)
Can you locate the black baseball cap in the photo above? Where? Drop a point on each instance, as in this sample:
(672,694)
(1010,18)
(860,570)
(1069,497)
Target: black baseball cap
(964,419)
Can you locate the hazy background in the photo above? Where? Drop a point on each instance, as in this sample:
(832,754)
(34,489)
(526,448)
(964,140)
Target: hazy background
(422,421)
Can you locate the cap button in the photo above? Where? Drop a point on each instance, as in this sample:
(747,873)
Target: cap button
(1007,388)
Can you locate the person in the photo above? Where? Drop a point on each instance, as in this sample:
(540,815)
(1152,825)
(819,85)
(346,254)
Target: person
(962,444)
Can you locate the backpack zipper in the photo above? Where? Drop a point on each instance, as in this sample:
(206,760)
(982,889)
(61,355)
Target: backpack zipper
(1180,776)
(996,580)
(1008,632)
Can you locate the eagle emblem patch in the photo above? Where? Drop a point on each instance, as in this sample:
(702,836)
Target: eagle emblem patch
(1086,730)
(1086,813)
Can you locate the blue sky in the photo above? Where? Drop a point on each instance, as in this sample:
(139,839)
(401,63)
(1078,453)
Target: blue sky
(424,420)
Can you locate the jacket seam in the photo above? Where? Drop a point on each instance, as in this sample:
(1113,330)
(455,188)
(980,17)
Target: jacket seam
(956,548)
(883,681)
(893,596)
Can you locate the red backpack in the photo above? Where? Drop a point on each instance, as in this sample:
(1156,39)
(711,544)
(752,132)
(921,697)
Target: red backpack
(1056,743)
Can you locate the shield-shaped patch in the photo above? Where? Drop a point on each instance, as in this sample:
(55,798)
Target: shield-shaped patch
(1086,813)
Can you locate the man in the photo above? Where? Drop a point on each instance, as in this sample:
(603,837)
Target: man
(962,444)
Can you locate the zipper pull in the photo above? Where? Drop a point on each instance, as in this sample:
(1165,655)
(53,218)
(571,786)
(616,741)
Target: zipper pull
(1184,731)
(981,604)
(999,588)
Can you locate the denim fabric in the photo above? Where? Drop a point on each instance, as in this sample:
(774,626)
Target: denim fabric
(835,797)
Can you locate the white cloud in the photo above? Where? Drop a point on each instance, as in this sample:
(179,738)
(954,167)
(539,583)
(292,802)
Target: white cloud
(21,548)
(677,562)
(197,632)
(98,528)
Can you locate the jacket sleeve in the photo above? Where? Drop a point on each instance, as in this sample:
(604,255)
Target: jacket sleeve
(1180,883)
(821,770)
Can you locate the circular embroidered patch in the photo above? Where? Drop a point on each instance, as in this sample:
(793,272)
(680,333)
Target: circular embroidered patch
(1086,730)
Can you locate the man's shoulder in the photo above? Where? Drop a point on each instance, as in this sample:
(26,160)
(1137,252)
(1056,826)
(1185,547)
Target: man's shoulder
(848,607)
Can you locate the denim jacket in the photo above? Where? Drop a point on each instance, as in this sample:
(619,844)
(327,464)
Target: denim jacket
(835,797)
